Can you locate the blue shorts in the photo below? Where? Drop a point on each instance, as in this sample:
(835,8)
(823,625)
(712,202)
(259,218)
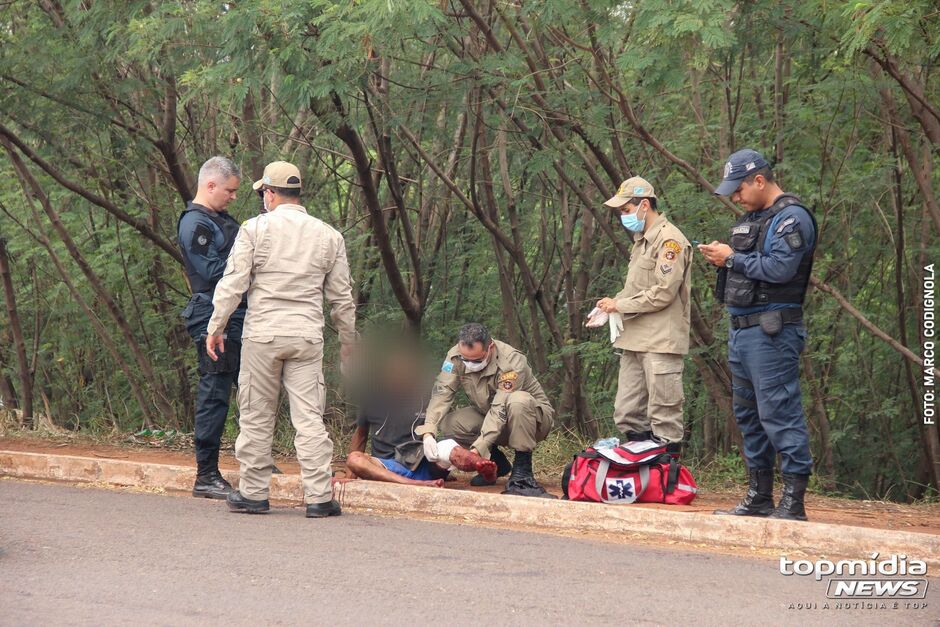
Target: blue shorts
(426,471)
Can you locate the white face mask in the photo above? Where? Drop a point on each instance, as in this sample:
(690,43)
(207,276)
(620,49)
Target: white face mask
(469,366)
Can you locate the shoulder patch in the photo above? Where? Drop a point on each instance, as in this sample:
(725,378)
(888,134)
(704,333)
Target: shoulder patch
(665,268)
(673,245)
(671,250)
(794,240)
(202,238)
(507,380)
(447,366)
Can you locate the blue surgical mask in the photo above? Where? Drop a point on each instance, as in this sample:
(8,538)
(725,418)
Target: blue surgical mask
(631,222)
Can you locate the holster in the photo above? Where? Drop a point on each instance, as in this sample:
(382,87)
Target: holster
(771,322)
(228,361)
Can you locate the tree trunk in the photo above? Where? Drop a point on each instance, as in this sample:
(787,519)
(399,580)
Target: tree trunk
(26,376)
(103,334)
(31,186)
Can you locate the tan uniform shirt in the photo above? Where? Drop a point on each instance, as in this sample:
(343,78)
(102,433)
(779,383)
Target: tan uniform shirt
(288,262)
(508,371)
(656,297)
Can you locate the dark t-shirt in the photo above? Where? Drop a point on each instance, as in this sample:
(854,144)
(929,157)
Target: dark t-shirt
(391,421)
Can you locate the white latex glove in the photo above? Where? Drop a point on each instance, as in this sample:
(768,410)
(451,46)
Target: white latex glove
(616,326)
(430,447)
(596,318)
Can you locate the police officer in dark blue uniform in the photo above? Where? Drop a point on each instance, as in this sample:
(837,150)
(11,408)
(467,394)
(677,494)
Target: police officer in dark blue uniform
(206,235)
(763,276)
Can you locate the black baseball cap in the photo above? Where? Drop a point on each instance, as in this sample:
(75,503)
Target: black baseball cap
(740,165)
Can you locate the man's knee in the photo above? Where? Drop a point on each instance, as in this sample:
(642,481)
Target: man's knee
(462,425)
(525,417)
(356,461)
(521,404)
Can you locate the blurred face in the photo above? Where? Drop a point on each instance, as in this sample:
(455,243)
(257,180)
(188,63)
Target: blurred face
(220,194)
(752,196)
(402,370)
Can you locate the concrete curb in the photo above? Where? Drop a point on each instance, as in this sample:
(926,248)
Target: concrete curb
(548,515)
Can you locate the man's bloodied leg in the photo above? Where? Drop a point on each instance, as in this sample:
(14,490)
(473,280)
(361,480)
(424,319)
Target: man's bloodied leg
(469,461)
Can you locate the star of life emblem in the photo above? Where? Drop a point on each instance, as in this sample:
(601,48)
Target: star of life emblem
(621,490)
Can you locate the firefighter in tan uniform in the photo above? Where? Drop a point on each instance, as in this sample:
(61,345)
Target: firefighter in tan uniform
(288,262)
(507,407)
(654,305)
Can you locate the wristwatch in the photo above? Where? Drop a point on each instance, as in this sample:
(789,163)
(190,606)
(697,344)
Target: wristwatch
(729,261)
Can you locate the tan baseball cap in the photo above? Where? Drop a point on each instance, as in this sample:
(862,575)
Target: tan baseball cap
(279,174)
(635,187)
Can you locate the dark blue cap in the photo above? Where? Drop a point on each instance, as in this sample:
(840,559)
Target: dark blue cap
(740,165)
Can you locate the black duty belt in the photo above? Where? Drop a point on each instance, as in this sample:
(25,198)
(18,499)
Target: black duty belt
(790,315)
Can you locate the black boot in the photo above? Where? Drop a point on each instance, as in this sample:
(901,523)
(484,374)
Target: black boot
(791,503)
(322,510)
(239,504)
(637,436)
(521,481)
(760,495)
(502,468)
(211,485)
(674,449)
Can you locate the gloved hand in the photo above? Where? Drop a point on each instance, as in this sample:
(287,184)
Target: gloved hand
(430,447)
(596,318)
(616,326)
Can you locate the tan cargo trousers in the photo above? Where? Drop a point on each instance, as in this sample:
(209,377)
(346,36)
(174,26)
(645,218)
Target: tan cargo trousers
(649,394)
(525,425)
(267,363)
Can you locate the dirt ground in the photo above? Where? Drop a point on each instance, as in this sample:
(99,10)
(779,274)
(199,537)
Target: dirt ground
(922,518)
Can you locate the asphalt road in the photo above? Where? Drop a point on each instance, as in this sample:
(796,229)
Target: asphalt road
(89,556)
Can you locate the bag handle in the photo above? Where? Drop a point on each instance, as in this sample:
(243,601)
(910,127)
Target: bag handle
(601,476)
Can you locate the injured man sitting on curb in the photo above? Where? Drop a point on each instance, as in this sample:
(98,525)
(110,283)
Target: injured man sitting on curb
(390,388)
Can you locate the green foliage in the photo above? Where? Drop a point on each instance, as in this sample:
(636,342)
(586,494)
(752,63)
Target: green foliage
(126,99)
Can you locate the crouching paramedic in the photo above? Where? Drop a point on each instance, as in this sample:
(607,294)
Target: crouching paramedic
(507,408)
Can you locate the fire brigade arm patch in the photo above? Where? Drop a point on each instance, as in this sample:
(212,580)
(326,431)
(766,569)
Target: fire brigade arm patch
(507,380)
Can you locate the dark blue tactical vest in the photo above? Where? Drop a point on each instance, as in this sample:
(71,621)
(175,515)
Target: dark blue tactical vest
(229,227)
(748,235)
